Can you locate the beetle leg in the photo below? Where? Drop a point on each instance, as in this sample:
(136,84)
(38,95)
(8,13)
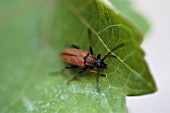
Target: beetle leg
(91,50)
(90,45)
(74,46)
(81,71)
(98,56)
(97,81)
(63,69)
(96,73)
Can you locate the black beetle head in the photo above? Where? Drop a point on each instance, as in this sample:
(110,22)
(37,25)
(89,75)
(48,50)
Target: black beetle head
(98,63)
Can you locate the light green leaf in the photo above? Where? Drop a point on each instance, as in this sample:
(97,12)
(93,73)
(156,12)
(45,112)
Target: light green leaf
(32,36)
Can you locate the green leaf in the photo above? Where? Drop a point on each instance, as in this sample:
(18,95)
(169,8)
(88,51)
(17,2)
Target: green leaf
(126,10)
(34,33)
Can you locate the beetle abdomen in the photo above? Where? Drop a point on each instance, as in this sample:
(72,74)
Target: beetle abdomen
(74,56)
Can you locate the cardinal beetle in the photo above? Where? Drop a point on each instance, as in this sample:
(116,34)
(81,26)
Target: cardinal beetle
(82,58)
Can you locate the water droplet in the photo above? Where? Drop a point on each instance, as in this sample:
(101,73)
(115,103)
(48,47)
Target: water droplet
(64,97)
(46,105)
(45,110)
(28,104)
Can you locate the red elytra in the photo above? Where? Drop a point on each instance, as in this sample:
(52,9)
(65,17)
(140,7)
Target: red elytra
(78,57)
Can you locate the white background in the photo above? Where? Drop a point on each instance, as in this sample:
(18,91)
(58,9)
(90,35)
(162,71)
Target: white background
(157,48)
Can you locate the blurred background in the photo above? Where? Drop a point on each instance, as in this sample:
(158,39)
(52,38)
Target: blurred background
(156,47)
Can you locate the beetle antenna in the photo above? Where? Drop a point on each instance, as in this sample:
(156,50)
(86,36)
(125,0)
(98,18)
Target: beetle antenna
(115,48)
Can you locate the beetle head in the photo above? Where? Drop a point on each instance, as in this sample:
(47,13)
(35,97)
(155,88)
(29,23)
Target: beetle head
(99,64)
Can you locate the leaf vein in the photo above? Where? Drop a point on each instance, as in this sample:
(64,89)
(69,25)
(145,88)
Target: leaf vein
(76,12)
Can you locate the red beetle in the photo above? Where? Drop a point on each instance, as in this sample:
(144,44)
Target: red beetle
(82,58)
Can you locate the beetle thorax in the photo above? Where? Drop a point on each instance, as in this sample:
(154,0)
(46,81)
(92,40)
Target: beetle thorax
(89,60)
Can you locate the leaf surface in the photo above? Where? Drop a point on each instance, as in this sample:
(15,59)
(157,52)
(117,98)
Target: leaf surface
(128,11)
(34,33)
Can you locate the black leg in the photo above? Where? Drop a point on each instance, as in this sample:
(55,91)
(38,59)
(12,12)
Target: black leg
(98,56)
(90,45)
(63,69)
(97,81)
(96,73)
(74,46)
(115,48)
(81,71)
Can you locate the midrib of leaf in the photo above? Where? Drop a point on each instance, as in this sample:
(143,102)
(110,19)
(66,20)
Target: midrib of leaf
(73,10)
